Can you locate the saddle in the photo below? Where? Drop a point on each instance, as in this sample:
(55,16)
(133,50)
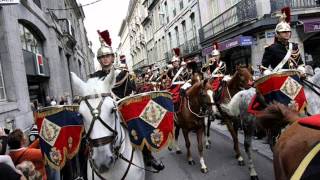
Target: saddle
(311,121)
(219,92)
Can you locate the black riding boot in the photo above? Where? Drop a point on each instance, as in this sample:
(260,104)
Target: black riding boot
(151,161)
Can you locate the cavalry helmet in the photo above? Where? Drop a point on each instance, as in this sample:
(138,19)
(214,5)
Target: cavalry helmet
(284,21)
(105,41)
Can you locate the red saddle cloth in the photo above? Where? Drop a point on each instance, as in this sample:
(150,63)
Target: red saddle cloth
(216,83)
(175,92)
(312,121)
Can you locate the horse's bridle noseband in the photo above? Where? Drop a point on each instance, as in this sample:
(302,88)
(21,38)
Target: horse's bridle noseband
(95,112)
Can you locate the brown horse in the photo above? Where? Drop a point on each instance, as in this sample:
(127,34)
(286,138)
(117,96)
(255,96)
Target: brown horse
(293,144)
(190,117)
(242,79)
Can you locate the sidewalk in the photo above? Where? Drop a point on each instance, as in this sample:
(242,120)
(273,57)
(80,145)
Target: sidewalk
(257,145)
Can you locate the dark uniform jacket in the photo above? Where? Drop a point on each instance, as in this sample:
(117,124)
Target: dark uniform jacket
(275,53)
(121,90)
(172,72)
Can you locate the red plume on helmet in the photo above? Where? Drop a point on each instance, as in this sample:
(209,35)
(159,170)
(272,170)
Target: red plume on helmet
(215,45)
(176,51)
(286,11)
(105,36)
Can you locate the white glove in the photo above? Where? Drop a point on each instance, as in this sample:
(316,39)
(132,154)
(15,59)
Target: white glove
(302,69)
(266,72)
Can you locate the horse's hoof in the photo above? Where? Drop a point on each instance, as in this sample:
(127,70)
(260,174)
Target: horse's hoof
(169,148)
(178,152)
(254,177)
(192,162)
(241,163)
(204,170)
(208,146)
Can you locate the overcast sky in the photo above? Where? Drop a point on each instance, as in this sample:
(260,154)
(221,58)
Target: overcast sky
(106,14)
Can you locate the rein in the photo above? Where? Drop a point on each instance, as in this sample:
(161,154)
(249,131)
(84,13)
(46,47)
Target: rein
(312,86)
(189,108)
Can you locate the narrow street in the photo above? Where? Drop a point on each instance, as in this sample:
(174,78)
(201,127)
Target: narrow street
(219,159)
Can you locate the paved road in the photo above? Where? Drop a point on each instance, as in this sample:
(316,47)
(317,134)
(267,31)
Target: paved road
(219,159)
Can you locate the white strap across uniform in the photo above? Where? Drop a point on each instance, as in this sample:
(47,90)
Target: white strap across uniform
(176,76)
(216,69)
(284,60)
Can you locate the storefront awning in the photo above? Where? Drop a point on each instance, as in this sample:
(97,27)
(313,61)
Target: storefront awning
(311,25)
(230,43)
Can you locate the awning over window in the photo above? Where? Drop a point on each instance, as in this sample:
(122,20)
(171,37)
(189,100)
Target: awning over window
(311,25)
(230,43)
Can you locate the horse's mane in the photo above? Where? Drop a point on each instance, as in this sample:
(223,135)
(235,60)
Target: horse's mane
(94,86)
(276,115)
(194,89)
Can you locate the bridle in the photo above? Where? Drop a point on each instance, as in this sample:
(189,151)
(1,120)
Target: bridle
(95,112)
(91,143)
(202,93)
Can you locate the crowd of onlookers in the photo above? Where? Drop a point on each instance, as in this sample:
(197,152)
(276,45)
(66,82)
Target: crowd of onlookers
(20,160)
(52,101)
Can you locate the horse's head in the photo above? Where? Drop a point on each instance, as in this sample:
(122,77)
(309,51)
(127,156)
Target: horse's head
(202,91)
(101,119)
(276,116)
(243,77)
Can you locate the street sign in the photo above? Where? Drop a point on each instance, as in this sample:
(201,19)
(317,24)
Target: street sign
(9,2)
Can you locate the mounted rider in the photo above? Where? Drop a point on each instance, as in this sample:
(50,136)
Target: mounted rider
(282,54)
(124,85)
(217,67)
(279,64)
(175,75)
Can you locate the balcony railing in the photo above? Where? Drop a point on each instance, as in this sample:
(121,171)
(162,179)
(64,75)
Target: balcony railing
(243,11)
(293,4)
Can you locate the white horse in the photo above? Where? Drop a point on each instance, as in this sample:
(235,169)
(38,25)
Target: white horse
(110,146)
(238,107)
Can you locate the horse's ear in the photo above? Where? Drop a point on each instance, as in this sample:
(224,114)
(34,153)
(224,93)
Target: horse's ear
(110,80)
(77,83)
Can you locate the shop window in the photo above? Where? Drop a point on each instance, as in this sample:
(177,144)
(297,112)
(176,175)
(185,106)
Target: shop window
(3,96)
(30,42)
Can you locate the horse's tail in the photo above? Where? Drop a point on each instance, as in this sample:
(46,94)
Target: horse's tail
(276,116)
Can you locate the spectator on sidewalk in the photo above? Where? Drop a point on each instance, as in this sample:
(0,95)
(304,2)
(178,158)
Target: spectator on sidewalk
(9,173)
(29,170)
(16,141)
(53,101)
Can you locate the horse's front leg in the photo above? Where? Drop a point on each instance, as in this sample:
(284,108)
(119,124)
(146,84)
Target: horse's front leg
(207,123)
(187,140)
(175,143)
(204,168)
(234,134)
(248,133)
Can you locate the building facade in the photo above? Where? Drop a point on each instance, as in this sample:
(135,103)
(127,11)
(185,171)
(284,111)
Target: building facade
(167,24)
(182,23)
(124,45)
(40,46)
(138,50)
(243,28)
